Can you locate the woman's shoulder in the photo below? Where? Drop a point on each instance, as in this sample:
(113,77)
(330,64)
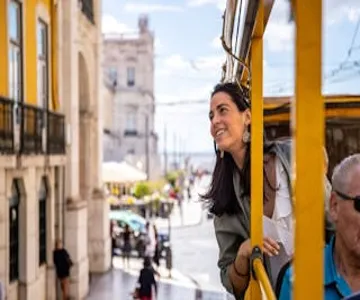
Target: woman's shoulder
(229,224)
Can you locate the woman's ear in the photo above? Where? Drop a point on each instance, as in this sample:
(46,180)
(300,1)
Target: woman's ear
(247,117)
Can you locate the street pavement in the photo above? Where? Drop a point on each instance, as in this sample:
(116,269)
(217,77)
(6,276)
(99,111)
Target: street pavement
(195,274)
(189,214)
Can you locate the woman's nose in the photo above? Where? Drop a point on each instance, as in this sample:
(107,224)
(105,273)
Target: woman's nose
(215,119)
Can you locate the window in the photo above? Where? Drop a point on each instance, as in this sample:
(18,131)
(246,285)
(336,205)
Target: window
(15,51)
(131,121)
(113,75)
(130,76)
(42,221)
(14,231)
(42,64)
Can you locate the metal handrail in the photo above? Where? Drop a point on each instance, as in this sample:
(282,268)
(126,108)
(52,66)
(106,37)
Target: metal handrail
(259,273)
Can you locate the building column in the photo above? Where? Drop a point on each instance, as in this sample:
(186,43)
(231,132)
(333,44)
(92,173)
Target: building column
(99,235)
(75,244)
(50,235)
(31,278)
(75,216)
(4,237)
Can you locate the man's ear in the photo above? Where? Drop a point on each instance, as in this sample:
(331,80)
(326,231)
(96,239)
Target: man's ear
(333,206)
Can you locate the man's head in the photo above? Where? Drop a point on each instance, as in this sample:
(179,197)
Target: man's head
(58,244)
(344,206)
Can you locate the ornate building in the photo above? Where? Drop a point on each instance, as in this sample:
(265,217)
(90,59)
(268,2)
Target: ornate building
(50,145)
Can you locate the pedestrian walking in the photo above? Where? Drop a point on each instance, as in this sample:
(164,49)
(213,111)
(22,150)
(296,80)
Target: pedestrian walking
(63,264)
(113,225)
(146,287)
(126,246)
(150,242)
(156,257)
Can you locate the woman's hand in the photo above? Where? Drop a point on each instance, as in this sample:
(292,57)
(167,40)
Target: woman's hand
(269,247)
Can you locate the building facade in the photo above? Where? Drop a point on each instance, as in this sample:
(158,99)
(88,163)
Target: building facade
(50,145)
(128,70)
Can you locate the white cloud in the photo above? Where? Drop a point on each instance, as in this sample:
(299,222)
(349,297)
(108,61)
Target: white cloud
(220,4)
(175,62)
(159,46)
(279,36)
(111,25)
(203,67)
(216,43)
(279,33)
(149,8)
(209,63)
(337,10)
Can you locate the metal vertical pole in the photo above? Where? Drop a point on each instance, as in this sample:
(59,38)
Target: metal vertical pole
(147,162)
(308,130)
(257,140)
(165,150)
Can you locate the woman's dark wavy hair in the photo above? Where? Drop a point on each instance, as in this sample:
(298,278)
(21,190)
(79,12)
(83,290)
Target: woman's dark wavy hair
(221,196)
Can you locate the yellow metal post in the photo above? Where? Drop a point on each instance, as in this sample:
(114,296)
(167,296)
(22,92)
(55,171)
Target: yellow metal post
(257,140)
(261,275)
(309,136)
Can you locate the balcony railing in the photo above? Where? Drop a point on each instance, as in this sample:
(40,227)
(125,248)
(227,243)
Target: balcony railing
(32,125)
(55,133)
(6,126)
(87,7)
(27,129)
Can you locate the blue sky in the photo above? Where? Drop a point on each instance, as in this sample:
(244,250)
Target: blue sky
(189,57)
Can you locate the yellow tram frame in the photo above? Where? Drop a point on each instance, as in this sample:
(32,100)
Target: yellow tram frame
(306,114)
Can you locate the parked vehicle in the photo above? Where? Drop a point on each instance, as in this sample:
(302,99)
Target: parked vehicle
(137,226)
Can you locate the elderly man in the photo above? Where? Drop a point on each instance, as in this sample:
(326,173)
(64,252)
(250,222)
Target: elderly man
(342,255)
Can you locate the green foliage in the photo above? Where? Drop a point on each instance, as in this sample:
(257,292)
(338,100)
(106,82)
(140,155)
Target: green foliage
(171,177)
(142,189)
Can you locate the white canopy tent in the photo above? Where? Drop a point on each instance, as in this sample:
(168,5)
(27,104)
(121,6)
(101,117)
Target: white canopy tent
(121,172)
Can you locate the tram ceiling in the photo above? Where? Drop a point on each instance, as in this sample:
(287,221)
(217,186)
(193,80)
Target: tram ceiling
(231,13)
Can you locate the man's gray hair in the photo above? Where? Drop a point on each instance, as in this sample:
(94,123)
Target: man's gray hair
(340,177)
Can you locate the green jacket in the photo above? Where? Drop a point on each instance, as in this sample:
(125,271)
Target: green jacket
(232,230)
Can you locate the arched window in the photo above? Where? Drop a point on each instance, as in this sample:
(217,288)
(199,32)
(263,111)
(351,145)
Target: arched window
(14,230)
(43,193)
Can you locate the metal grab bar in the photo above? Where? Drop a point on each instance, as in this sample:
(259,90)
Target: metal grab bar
(259,273)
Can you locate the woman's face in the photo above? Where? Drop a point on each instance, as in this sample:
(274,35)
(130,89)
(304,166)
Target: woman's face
(227,122)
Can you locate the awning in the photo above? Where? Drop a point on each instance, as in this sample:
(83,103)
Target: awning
(121,172)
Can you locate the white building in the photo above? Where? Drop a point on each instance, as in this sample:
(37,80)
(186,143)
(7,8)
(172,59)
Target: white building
(128,68)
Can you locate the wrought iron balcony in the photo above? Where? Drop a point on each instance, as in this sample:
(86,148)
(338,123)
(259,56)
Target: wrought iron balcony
(6,126)
(87,7)
(27,129)
(32,125)
(55,133)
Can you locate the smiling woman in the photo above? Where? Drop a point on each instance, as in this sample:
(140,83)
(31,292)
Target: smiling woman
(229,195)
